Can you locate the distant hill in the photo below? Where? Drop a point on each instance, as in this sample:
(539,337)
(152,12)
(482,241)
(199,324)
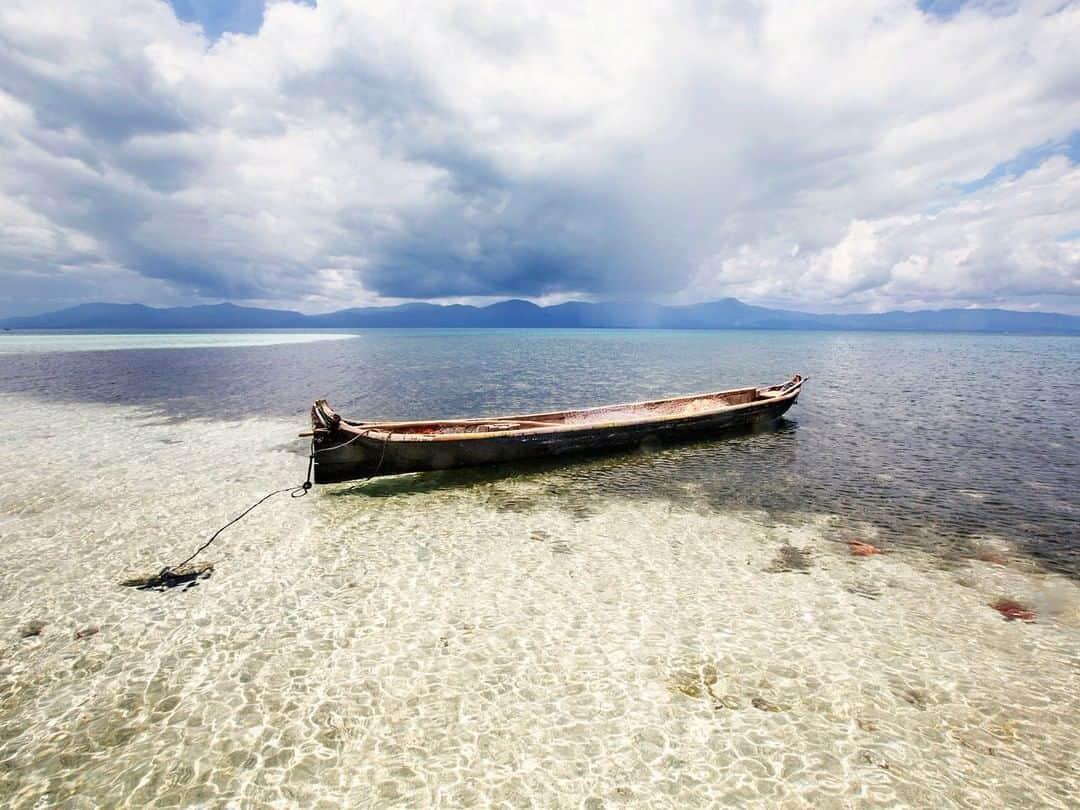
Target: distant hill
(728,313)
(139,316)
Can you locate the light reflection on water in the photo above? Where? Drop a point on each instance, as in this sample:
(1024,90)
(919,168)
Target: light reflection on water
(614,632)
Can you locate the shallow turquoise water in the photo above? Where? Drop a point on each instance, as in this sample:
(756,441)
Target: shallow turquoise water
(936,439)
(683,627)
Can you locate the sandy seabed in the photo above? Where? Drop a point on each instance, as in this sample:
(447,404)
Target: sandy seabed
(494,643)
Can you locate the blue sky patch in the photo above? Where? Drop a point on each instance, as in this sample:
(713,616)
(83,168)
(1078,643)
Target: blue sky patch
(946,9)
(221,16)
(1026,160)
(941,8)
(218,16)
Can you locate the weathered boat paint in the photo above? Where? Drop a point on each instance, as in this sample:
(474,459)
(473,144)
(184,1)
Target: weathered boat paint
(347,450)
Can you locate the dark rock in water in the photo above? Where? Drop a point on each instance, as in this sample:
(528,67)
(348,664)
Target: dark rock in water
(872,758)
(867,590)
(32,628)
(691,689)
(918,698)
(725,702)
(188,575)
(789,558)
(556,546)
(86,632)
(688,683)
(765,706)
(697,683)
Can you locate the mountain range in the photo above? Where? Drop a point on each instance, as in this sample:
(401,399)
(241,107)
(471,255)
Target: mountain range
(728,313)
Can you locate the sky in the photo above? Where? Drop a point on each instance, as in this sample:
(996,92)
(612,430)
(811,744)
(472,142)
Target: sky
(837,156)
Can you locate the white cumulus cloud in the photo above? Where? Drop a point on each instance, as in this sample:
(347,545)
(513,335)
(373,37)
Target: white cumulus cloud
(834,156)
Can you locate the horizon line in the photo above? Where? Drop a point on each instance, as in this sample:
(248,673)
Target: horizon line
(534,304)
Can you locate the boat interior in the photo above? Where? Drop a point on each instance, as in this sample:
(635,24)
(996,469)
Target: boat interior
(632,412)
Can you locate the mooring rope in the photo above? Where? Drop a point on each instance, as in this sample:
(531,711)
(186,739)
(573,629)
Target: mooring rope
(339,446)
(298,491)
(172,575)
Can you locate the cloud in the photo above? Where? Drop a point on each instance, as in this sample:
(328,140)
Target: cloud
(841,156)
(1006,245)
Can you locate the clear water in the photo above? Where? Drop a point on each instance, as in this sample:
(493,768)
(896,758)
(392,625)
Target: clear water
(680,627)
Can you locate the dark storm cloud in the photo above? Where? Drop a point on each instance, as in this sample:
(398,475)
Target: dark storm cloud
(343,153)
(112,102)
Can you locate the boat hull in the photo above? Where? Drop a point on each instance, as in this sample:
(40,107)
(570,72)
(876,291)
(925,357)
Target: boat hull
(345,455)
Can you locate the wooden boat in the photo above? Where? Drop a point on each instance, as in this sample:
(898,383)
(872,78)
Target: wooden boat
(345,450)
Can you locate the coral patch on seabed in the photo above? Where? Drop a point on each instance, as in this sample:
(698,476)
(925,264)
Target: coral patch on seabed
(1013,610)
(764,705)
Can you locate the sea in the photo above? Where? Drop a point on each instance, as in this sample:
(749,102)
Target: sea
(874,602)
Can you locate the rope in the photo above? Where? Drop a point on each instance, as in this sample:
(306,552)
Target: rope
(298,491)
(173,574)
(382,456)
(339,446)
